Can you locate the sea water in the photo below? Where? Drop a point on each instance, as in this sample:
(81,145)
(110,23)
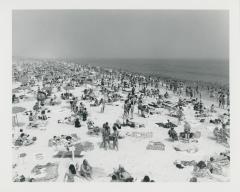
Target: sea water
(214,71)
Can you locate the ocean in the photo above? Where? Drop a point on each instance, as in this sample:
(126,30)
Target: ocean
(214,71)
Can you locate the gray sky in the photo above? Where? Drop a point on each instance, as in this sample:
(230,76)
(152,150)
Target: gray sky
(121,34)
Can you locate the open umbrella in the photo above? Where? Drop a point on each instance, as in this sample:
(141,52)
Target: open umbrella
(16,110)
(41,96)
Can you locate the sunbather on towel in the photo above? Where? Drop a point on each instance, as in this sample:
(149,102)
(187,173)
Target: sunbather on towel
(133,124)
(122,175)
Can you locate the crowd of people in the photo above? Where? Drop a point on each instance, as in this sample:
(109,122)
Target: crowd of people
(55,80)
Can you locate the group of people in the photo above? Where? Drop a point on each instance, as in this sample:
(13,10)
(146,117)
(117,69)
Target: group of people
(138,87)
(107,137)
(85,171)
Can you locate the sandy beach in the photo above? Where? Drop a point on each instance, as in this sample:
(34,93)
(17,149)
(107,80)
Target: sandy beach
(132,154)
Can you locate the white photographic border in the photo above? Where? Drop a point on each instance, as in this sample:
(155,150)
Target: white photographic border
(6,8)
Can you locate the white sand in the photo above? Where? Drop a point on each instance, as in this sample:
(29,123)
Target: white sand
(132,152)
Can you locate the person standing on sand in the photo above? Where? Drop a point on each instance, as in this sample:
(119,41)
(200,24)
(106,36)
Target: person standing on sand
(103,106)
(115,138)
(132,107)
(220,101)
(187,129)
(228,100)
(105,136)
(223,101)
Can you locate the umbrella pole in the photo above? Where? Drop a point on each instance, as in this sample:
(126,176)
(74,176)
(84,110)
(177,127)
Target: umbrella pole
(17,121)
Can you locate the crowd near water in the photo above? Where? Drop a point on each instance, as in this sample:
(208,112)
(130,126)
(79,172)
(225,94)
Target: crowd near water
(81,123)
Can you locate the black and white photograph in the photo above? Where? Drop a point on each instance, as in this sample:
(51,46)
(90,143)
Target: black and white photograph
(120,96)
(109,95)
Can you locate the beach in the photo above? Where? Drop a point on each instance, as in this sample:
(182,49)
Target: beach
(133,155)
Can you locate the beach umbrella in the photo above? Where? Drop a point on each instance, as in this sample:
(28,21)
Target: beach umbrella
(16,110)
(41,96)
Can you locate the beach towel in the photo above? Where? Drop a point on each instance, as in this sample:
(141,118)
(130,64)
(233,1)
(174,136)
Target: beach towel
(141,135)
(153,145)
(45,173)
(186,147)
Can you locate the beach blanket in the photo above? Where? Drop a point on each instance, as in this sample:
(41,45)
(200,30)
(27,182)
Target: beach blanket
(154,145)
(186,147)
(45,173)
(142,135)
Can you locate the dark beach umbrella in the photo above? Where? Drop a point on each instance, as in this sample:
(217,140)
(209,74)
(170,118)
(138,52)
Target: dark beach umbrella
(41,96)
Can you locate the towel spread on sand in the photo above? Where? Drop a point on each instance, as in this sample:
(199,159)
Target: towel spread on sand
(47,172)
(142,135)
(154,145)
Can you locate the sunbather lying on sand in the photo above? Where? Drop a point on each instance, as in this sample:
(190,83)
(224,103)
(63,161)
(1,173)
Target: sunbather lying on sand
(67,120)
(92,129)
(24,140)
(121,175)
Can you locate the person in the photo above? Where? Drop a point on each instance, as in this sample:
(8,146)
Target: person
(212,109)
(86,169)
(132,108)
(43,115)
(71,174)
(173,134)
(146,178)
(84,114)
(193,179)
(30,117)
(105,135)
(117,124)
(180,115)
(77,123)
(187,129)
(122,175)
(103,105)
(115,138)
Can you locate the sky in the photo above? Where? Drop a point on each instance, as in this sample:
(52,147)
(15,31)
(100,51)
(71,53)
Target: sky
(155,34)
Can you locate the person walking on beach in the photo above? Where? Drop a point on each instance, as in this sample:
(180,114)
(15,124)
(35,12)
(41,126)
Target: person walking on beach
(115,138)
(125,112)
(103,105)
(223,101)
(106,136)
(132,108)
